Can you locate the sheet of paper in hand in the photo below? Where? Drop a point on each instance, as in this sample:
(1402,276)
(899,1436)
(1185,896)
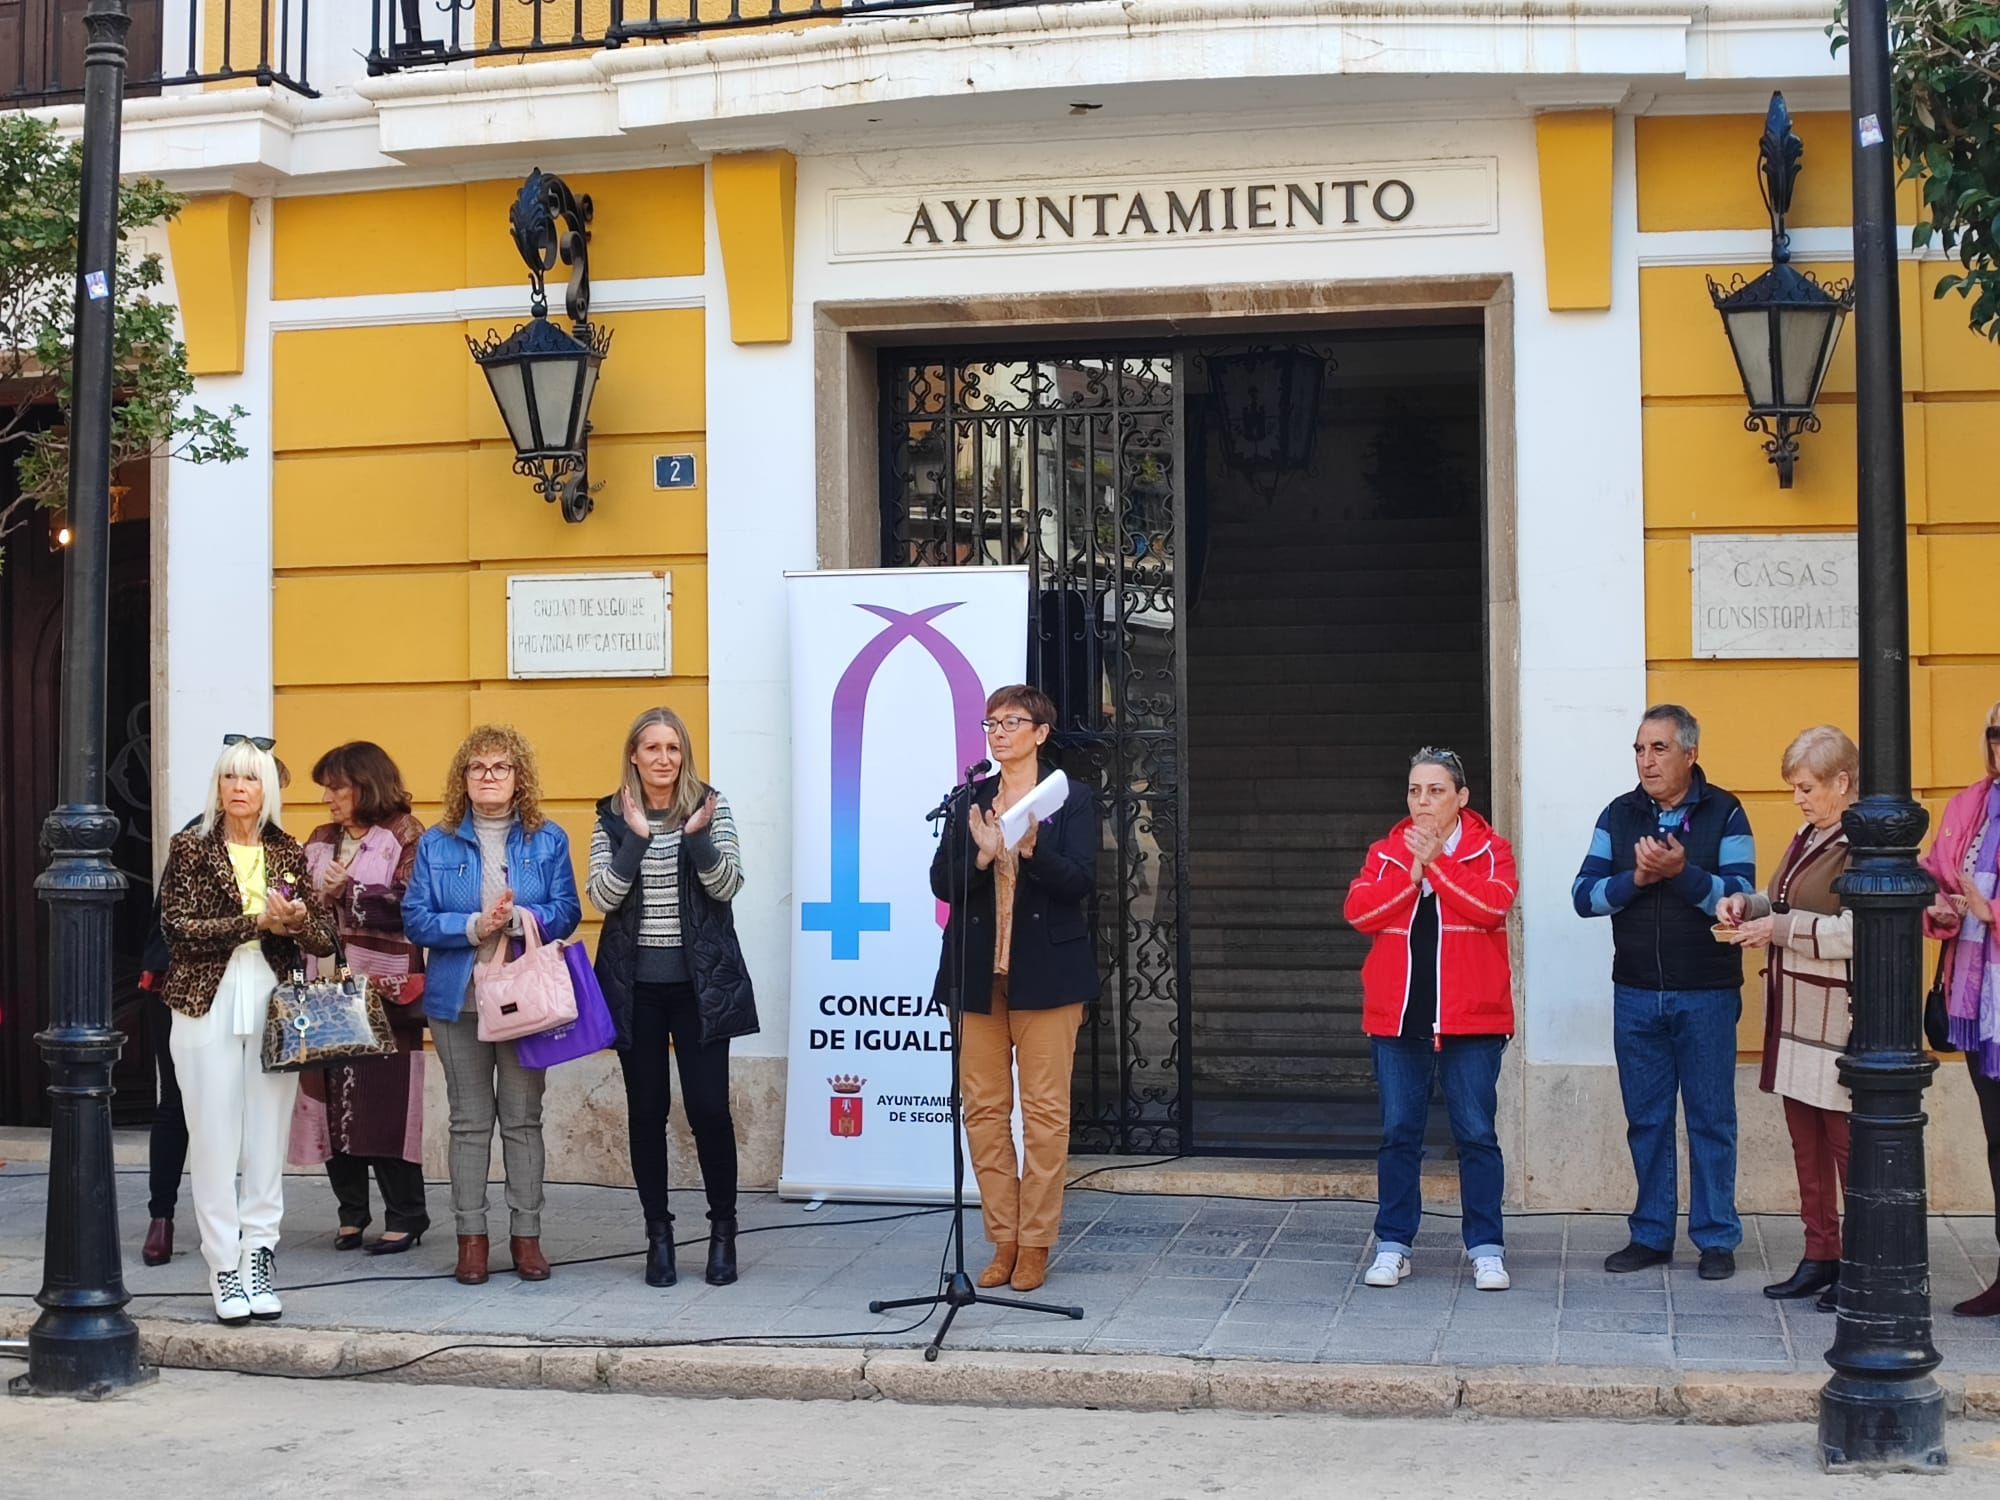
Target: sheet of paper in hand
(1043,802)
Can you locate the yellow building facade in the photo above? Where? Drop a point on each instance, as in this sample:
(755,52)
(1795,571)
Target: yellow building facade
(759,256)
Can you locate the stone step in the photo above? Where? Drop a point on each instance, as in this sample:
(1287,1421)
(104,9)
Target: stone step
(1252,1177)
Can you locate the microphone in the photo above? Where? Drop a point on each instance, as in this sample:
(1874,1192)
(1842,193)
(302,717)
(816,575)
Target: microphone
(972,773)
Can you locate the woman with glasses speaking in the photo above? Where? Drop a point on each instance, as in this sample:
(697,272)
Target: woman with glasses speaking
(493,855)
(1020,948)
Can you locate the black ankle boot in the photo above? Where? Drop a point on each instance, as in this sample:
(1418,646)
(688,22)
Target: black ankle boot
(660,1254)
(1809,1280)
(721,1252)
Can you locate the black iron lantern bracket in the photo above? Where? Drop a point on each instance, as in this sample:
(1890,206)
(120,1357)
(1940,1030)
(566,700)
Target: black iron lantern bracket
(1783,326)
(542,377)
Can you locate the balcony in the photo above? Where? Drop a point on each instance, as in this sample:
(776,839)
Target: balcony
(172,44)
(460,30)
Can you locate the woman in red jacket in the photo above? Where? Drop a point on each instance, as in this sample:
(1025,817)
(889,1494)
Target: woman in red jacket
(1438,997)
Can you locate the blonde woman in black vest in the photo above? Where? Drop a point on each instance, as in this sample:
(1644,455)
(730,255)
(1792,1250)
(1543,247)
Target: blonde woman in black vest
(665,865)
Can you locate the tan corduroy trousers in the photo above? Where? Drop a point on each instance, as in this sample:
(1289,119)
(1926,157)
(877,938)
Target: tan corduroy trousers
(1020,1198)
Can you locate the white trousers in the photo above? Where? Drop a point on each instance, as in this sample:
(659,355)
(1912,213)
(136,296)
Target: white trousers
(239,1119)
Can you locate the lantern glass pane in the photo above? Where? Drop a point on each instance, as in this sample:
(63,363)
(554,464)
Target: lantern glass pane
(1803,336)
(509,384)
(1839,321)
(1750,339)
(583,402)
(555,400)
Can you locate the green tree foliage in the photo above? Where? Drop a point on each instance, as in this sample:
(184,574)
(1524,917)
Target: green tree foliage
(41,180)
(1946,91)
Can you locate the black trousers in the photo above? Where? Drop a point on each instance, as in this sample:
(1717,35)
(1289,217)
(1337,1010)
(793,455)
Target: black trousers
(167,1143)
(402,1185)
(663,1013)
(1988,1092)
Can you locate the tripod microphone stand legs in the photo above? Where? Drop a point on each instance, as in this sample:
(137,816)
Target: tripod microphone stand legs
(959,1292)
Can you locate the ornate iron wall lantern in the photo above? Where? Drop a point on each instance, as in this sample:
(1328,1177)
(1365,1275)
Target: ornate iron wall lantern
(1269,405)
(1783,326)
(542,377)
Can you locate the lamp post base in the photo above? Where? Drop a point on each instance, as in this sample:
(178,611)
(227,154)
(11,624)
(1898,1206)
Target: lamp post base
(1881,1426)
(83,1354)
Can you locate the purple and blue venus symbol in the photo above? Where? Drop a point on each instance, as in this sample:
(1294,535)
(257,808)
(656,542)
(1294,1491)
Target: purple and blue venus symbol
(846,916)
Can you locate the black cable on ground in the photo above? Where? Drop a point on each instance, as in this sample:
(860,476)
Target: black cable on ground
(581,1260)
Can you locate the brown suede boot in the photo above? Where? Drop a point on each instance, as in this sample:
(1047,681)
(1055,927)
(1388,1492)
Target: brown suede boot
(1002,1267)
(1985,1305)
(471,1259)
(529,1262)
(1031,1267)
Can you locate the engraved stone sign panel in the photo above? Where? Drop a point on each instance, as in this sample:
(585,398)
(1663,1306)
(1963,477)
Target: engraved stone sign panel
(1776,596)
(1316,202)
(590,625)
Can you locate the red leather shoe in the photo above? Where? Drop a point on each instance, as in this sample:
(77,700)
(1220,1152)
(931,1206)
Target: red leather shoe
(1985,1305)
(472,1250)
(159,1243)
(529,1262)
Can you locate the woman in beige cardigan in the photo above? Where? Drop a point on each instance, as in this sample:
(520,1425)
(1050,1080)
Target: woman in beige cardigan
(1808,1011)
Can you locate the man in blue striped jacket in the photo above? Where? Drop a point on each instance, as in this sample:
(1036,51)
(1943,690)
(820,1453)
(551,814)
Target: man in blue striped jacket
(1660,859)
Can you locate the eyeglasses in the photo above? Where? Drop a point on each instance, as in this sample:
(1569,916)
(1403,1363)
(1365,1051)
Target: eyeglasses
(480,771)
(1013,723)
(1993,734)
(261,741)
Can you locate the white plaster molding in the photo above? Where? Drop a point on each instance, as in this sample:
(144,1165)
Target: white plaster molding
(471,304)
(1730,247)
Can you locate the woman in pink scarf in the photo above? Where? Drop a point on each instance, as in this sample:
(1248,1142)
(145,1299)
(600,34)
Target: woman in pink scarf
(1965,861)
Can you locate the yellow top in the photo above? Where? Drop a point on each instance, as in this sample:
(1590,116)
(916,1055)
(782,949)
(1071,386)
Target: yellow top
(251,878)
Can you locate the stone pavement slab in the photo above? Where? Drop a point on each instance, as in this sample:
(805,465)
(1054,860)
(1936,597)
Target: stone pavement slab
(1202,1278)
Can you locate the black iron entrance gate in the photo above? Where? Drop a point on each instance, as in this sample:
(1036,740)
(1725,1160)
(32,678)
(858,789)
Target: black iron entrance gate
(1073,466)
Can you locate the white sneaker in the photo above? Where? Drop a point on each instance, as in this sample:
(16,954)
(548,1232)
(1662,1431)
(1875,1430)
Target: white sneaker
(231,1306)
(1390,1267)
(257,1275)
(1489,1274)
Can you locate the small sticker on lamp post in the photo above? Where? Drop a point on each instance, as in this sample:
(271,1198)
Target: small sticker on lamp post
(97,284)
(1871,131)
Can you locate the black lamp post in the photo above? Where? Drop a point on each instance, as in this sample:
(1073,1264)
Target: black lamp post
(542,377)
(1882,1409)
(83,1344)
(1783,326)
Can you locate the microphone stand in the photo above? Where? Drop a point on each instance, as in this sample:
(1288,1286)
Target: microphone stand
(956,1290)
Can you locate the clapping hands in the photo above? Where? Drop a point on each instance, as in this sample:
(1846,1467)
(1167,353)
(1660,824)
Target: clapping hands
(1659,860)
(493,921)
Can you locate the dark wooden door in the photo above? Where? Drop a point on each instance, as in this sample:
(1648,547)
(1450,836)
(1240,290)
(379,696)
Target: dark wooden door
(31,592)
(41,49)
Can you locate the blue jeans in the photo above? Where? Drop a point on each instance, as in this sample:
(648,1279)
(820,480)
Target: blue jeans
(1682,1042)
(1469,1067)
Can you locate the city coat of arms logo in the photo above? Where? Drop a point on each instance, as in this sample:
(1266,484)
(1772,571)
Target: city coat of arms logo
(844,1108)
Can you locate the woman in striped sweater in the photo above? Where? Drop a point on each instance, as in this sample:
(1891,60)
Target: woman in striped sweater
(664,867)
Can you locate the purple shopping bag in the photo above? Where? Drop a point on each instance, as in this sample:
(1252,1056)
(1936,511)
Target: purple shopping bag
(590,1032)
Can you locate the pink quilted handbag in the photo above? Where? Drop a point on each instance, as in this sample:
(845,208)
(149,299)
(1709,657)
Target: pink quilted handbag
(528,995)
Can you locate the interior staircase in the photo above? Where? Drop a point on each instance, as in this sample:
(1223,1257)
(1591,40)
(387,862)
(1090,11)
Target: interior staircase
(1319,658)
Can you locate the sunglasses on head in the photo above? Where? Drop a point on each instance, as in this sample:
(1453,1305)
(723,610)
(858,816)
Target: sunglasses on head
(261,741)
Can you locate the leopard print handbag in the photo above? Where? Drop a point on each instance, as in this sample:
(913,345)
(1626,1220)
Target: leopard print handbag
(333,1019)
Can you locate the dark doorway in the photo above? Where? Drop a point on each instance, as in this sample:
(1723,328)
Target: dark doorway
(1336,622)
(31,595)
(1258,584)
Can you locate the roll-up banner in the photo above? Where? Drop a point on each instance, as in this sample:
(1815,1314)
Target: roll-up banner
(890,671)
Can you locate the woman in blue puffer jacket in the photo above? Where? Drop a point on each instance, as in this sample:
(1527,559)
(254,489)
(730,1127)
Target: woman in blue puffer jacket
(492,856)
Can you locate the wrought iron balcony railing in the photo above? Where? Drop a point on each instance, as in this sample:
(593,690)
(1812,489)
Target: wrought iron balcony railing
(171,43)
(417,33)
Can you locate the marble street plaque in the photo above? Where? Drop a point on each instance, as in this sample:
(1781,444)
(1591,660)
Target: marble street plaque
(1776,596)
